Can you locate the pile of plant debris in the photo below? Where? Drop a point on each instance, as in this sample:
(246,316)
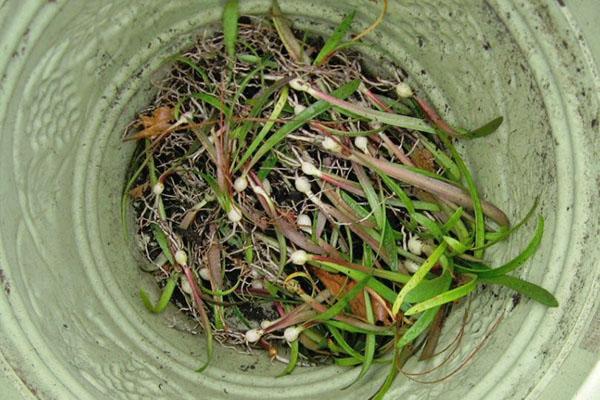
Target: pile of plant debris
(290,201)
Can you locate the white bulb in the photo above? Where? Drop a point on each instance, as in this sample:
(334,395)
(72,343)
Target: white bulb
(267,186)
(403,90)
(361,143)
(257,284)
(264,324)
(303,221)
(331,145)
(204,274)
(299,257)
(186,287)
(298,108)
(186,117)
(411,266)
(234,215)
(302,185)
(181,257)
(300,85)
(158,188)
(253,335)
(291,333)
(310,169)
(415,245)
(240,184)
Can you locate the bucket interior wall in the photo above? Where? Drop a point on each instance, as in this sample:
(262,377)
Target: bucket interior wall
(74,73)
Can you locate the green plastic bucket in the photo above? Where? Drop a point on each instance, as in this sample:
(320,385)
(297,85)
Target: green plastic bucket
(73,73)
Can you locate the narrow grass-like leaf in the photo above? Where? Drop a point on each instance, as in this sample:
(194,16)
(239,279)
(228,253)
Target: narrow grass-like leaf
(446,297)
(291,44)
(502,234)
(457,246)
(333,42)
(528,289)
(163,242)
(453,219)
(390,378)
(267,166)
(294,351)
(418,327)
(401,121)
(371,194)
(164,299)
(343,302)
(516,262)
(485,130)
(418,276)
(373,283)
(193,65)
(213,101)
(341,341)
(308,114)
(230,26)
(370,340)
(472,188)
(388,239)
(442,159)
(281,102)
(431,226)
(364,328)
(429,288)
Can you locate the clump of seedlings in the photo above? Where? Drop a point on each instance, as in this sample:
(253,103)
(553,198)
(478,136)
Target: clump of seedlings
(292,202)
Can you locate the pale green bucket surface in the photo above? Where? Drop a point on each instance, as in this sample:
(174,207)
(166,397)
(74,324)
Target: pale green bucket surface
(72,74)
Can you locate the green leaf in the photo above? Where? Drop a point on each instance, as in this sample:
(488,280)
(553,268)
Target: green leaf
(267,166)
(331,45)
(446,297)
(390,378)
(398,191)
(165,296)
(528,289)
(516,262)
(388,239)
(163,242)
(371,194)
(418,276)
(291,44)
(503,233)
(281,102)
(308,114)
(193,65)
(418,327)
(374,329)
(373,283)
(432,227)
(453,219)
(429,288)
(230,26)
(213,101)
(370,340)
(473,192)
(486,129)
(457,246)
(294,351)
(341,341)
(342,303)
(441,157)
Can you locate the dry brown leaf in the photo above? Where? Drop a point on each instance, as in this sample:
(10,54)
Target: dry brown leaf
(423,159)
(154,124)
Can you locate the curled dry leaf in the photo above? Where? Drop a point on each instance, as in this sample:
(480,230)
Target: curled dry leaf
(339,285)
(154,124)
